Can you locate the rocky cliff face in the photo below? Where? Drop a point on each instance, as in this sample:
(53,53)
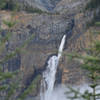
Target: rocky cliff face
(53,5)
(47,30)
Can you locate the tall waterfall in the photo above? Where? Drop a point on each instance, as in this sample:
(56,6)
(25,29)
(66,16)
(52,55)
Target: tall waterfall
(47,84)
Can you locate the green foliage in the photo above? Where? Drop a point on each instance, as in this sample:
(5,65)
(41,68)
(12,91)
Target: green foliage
(2,4)
(33,10)
(92,4)
(4,87)
(6,75)
(9,5)
(9,23)
(78,95)
(16,6)
(97,23)
(31,88)
(10,87)
(91,63)
(96,19)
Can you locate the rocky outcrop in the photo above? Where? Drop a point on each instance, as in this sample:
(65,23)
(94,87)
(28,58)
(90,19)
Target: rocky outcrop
(80,40)
(54,5)
(47,31)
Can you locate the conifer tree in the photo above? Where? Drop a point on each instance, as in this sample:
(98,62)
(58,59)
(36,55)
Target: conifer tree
(8,89)
(91,63)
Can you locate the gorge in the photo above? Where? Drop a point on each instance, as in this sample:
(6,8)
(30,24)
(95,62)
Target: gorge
(49,22)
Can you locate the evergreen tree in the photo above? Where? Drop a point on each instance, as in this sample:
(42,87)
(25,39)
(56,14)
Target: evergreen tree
(12,5)
(7,89)
(91,63)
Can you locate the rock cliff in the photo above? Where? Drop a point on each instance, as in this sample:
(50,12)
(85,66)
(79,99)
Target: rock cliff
(54,5)
(47,30)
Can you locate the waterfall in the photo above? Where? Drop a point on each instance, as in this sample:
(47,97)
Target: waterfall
(47,84)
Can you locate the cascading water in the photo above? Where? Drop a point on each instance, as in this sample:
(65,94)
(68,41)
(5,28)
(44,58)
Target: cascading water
(47,84)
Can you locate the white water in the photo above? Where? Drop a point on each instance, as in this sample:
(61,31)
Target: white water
(47,84)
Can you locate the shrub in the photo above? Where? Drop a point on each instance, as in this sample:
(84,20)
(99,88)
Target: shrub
(9,5)
(93,4)
(16,6)
(91,63)
(2,4)
(33,10)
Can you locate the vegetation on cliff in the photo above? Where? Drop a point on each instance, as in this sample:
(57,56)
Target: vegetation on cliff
(91,63)
(92,4)
(14,5)
(31,89)
(9,5)
(9,80)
